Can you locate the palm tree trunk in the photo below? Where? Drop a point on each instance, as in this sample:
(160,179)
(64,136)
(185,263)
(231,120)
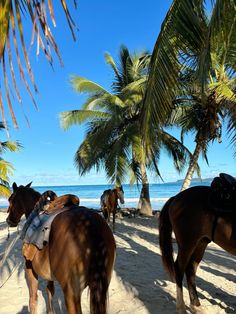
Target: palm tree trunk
(192,166)
(144,206)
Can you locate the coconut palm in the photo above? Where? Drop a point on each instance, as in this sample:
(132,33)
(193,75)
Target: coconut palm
(114,139)
(13,13)
(199,51)
(6,168)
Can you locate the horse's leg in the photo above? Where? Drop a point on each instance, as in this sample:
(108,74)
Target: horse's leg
(33,287)
(114,218)
(191,274)
(179,274)
(183,257)
(50,292)
(73,302)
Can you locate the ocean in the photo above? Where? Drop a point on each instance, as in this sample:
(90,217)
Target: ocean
(90,194)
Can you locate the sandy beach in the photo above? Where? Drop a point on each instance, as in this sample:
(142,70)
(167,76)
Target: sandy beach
(139,283)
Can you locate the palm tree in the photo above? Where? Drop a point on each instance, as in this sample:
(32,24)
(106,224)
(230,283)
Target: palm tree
(202,50)
(11,25)
(114,139)
(6,168)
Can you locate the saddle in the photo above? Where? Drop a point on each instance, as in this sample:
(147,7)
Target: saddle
(36,231)
(222,198)
(60,202)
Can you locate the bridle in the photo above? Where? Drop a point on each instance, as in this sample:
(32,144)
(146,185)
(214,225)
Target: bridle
(120,195)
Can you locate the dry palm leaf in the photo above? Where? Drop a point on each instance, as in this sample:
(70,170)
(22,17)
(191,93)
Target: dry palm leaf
(12,44)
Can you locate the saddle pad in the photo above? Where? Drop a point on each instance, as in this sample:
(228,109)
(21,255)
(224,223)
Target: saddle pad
(39,229)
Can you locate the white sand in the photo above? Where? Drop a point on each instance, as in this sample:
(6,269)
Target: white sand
(139,284)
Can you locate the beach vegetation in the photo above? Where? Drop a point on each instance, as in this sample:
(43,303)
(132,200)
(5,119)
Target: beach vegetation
(114,140)
(6,168)
(192,75)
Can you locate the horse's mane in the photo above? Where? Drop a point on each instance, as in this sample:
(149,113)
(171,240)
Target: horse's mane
(28,188)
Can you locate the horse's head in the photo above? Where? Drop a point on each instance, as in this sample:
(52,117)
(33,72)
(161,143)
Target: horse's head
(21,201)
(120,194)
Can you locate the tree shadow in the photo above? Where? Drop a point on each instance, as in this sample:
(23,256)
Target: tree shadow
(10,254)
(137,266)
(143,263)
(140,269)
(15,262)
(24,310)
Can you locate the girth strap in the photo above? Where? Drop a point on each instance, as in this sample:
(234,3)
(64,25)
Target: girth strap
(214,228)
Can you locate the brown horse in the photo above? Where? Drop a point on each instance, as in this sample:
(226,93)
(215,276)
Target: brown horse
(81,252)
(109,202)
(195,223)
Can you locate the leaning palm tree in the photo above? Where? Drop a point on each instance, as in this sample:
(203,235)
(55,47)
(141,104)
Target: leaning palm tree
(204,48)
(13,47)
(114,138)
(205,119)
(6,168)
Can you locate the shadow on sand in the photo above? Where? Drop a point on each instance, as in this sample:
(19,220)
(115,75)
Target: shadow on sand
(145,263)
(140,269)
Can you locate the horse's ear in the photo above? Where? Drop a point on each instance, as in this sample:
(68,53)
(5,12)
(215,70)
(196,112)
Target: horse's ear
(28,185)
(14,186)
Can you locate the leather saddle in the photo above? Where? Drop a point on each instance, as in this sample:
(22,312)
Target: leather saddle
(223,194)
(60,202)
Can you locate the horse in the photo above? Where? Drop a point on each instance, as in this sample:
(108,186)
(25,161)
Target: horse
(194,218)
(81,252)
(109,202)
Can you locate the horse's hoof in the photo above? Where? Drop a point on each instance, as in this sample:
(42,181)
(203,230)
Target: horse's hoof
(181,309)
(196,309)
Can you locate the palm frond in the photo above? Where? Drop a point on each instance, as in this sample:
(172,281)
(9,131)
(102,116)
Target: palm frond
(109,60)
(6,169)
(77,117)
(83,85)
(181,28)
(12,15)
(11,146)
(5,190)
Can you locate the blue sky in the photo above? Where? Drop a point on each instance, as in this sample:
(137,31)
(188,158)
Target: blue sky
(48,153)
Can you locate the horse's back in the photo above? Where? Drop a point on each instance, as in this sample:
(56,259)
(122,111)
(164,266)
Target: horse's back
(190,210)
(106,195)
(79,239)
(193,198)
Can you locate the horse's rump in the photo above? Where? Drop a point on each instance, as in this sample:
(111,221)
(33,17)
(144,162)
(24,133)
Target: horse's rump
(83,235)
(104,200)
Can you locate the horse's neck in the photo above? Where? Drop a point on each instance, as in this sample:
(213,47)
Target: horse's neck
(116,196)
(31,201)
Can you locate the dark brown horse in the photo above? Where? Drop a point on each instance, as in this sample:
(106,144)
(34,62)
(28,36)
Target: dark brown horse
(195,221)
(81,252)
(109,202)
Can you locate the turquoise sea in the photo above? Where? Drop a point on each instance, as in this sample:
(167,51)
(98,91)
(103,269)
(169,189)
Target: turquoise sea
(90,194)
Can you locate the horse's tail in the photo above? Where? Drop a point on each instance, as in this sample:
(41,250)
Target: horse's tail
(98,294)
(104,205)
(101,269)
(165,239)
